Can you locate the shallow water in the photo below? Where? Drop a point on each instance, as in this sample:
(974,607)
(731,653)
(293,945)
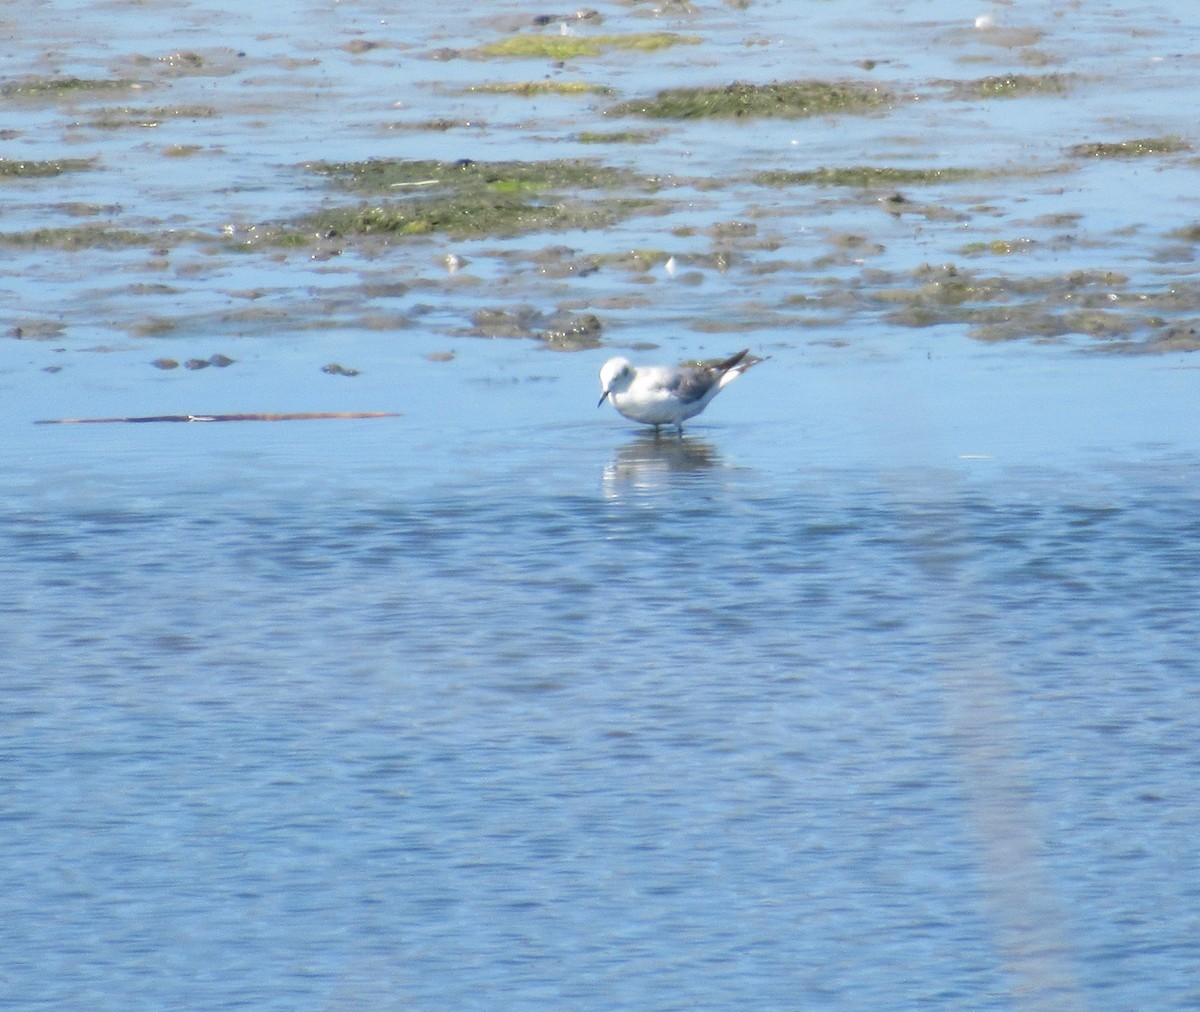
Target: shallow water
(878,689)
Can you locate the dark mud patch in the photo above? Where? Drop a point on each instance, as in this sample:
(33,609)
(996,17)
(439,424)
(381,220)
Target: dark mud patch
(56,89)
(87,236)
(1183,335)
(218,361)
(440,124)
(1188,233)
(782,100)
(1141,147)
(572,332)
(560,331)
(868,176)
(1010,86)
(219,62)
(360,47)
(125,117)
(151,326)
(535,89)
(617,137)
(468,176)
(1095,304)
(181,150)
(37,330)
(349,309)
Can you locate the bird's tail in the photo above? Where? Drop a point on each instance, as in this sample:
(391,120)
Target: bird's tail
(735,365)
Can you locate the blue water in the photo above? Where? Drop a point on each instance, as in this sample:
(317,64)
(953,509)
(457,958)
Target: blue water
(568,717)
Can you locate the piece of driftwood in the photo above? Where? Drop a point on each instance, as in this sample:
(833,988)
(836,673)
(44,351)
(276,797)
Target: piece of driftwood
(296,417)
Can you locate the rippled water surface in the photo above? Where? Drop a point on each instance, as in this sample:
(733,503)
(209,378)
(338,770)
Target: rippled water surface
(876,690)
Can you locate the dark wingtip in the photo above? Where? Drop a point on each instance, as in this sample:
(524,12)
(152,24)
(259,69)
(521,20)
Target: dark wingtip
(733,360)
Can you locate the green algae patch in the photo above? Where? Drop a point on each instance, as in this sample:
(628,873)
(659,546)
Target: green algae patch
(13,168)
(865,177)
(469,198)
(1141,147)
(464,217)
(1012,86)
(997,247)
(570,47)
(616,137)
(79,237)
(53,88)
(534,89)
(466,176)
(780,100)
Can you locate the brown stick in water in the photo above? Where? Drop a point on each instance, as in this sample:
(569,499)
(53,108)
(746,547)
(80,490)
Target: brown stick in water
(300,416)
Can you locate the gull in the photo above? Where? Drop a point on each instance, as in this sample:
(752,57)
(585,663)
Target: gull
(667,394)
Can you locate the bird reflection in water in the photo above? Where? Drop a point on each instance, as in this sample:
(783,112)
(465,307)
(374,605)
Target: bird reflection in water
(649,461)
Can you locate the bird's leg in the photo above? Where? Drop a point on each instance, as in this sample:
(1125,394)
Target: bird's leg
(656,430)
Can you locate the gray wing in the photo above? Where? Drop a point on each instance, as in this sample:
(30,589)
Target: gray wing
(691,384)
